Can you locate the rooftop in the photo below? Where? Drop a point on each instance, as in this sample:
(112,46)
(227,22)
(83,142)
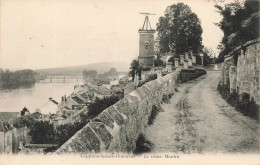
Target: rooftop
(9,116)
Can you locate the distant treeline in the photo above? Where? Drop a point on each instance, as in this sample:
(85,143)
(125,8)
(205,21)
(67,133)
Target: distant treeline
(93,76)
(19,78)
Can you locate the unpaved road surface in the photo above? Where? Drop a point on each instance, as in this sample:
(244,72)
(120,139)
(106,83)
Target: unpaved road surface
(198,120)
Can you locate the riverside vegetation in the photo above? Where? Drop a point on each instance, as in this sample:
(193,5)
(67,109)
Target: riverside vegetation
(17,79)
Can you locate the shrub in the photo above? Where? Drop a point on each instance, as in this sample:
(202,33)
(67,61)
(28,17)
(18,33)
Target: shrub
(248,106)
(254,110)
(42,132)
(224,89)
(50,149)
(66,131)
(233,99)
(142,145)
(242,102)
(101,104)
(165,99)
(153,115)
(150,78)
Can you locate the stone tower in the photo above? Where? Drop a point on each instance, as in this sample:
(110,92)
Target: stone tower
(146,44)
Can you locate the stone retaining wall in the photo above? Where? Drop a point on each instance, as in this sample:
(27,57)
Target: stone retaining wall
(242,69)
(190,74)
(117,128)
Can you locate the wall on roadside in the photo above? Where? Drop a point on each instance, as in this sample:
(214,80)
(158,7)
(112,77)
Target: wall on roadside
(19,137)
(118,127)
(190,74)
(6,142)
(242,68)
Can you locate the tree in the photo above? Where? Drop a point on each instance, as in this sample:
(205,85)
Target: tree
(112,71)
(42,132)
(101,104)
(134,68)
(240,23)
(179,30)
(65,131)
(22,121)
(208,55)
(16,79)
(158,61)
(91,74)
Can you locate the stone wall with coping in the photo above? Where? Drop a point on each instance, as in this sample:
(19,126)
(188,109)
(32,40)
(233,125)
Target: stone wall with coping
(242,69)
(117,128)
(190,74)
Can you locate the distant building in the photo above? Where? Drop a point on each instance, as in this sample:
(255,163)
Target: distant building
(114,82)
(13,131)
(5,138)
(72,102)
(19,138)
(78,88)
(50,107)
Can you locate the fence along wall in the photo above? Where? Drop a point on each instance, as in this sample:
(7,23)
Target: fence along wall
(242,69)
(118,127)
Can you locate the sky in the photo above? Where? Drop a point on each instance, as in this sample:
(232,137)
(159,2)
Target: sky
(37,34)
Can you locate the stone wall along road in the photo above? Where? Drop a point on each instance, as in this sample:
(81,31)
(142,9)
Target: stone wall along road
(198,120)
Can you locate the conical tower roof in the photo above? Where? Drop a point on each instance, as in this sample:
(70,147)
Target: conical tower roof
(147,25)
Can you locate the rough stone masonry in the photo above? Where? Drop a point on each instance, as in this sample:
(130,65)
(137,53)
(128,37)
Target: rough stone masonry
(242,69)
(117,128)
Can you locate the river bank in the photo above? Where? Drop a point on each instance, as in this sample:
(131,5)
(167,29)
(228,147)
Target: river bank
(34,97)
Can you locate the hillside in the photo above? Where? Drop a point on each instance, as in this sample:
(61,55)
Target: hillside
(77,70)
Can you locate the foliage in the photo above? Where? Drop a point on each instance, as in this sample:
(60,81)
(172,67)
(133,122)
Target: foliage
(150,78)
(19,78)
(42,132)
(158,61)
(99,105)
(179,30)
(241,102)
(240,23)
(89,74)
(208,56)
(165,99)
(105,76)
(153,115)
(142,145)
(22,121)
(171,59)
(135,68)
(24,111)
(66,131)
(50,149)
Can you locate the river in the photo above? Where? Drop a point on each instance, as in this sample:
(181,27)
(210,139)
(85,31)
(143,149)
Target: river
(34,97)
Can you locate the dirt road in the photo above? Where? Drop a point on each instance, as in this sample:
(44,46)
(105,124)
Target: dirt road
(198,120)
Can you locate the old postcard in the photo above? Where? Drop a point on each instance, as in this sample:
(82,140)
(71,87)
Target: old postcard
(172,81)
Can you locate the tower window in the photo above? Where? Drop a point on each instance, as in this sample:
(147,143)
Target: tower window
(146,45)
